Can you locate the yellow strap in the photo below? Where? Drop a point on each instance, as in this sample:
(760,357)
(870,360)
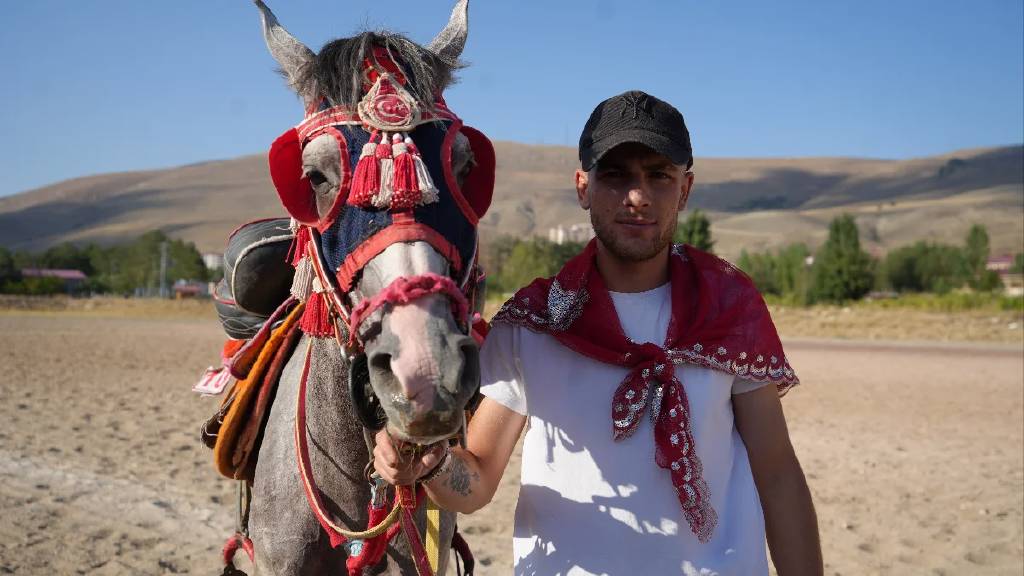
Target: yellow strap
(433,534)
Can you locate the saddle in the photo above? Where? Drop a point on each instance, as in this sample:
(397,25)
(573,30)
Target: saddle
(261,320)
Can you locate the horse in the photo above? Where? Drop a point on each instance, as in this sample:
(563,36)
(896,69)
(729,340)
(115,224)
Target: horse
(384,186)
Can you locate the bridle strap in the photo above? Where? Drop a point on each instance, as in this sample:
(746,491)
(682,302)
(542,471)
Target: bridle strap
(346,116)
(406,289)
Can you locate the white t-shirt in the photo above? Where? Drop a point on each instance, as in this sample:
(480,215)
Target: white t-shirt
(590,505)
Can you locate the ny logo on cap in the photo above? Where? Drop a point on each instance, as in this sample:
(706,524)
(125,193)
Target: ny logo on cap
(639,102)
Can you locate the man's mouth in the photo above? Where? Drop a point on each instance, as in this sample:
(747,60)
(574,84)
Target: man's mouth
(635,222)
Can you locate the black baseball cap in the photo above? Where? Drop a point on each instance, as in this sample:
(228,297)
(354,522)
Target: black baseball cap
(635,116)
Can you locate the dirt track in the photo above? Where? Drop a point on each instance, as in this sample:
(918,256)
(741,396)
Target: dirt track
(913,453)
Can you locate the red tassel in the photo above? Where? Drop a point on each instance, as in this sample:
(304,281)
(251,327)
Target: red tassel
(406,184)
(299,245)
(316,318)
(366,178)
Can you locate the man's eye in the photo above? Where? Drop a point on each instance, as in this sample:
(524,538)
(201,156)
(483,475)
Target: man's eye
(316,177)
(611,174)
(661,175)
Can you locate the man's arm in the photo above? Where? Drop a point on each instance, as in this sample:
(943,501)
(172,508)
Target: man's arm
(469,481)
(790,522)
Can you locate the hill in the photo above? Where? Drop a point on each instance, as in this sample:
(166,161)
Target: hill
(753,202)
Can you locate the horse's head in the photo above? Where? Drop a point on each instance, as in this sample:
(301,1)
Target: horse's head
(387,186)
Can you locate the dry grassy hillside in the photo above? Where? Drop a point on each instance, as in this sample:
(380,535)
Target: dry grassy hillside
(753,202)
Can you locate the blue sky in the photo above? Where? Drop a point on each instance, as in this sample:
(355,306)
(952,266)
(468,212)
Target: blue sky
(111,85)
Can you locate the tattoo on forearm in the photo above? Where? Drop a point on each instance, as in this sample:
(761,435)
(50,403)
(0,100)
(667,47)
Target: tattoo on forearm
(460,479)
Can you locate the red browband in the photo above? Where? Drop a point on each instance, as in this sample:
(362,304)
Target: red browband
(342,115)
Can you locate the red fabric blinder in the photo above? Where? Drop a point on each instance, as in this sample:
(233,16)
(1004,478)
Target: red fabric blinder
(478,187)
(294,190)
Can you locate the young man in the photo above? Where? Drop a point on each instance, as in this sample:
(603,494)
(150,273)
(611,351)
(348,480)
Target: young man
(650,376)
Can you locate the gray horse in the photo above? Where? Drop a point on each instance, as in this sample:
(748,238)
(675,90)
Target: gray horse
(422,365)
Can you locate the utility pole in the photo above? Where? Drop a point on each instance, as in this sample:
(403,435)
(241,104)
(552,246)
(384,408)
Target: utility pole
(163,269)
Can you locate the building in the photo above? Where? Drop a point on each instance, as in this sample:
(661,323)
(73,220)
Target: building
(580,233)
(1013,281)
(213,260)
(185,289)
(73,280)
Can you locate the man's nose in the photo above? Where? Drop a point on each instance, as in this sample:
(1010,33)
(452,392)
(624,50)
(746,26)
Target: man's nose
(637,196)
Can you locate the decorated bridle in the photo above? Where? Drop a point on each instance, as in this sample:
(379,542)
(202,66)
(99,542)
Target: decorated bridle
(390,176)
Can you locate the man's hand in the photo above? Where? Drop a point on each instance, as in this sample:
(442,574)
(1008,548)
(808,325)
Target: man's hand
(400,469)
(468,482)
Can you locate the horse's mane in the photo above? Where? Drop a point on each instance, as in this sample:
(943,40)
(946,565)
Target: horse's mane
(336,71)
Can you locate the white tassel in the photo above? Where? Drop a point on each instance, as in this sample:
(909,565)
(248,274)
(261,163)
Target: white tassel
(302,282)
(387,176)
(428,192)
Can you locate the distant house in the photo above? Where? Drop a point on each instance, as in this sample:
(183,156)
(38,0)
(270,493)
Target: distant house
(581,233)
(213,260)
(1013,282)
(184,289)
(74,280)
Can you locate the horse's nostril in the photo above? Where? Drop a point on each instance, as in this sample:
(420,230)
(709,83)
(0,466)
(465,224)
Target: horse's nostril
(381,363)
(469,377)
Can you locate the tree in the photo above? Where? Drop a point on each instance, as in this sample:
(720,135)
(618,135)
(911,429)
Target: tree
(924,267)
(783,273)
(842,270)
(7,269)
(695,231)
(535,258)
(976,253)
(69,257)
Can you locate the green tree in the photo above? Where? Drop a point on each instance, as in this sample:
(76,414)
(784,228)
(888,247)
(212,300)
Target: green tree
(695,231)
(1018,263)
(67,256)
(924,267)
(535,258)
(842,270)
(760,266)
(782,273)
(7,268)
(976,253)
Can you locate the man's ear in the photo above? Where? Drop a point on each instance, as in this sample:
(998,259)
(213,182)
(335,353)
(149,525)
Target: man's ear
(687,185)
(582,189)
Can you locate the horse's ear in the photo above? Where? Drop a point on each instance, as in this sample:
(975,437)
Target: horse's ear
(293,56)
(448,43)
(478,185)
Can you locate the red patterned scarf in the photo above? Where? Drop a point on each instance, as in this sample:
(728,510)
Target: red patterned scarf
(719,321)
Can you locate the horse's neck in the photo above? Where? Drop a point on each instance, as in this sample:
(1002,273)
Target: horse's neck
(337,443)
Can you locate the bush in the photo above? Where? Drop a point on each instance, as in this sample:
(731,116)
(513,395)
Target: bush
(34,286)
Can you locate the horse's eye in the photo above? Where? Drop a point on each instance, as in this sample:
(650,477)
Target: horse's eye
(316,177)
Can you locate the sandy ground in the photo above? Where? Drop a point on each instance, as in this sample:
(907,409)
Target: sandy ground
(913,452)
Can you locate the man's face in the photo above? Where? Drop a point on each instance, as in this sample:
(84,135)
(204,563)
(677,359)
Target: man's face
(634,196)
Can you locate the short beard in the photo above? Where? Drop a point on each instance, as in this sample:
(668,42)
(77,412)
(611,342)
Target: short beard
(631,252)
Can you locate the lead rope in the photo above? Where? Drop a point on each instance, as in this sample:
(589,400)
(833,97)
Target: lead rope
(336,533)
(403,509)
